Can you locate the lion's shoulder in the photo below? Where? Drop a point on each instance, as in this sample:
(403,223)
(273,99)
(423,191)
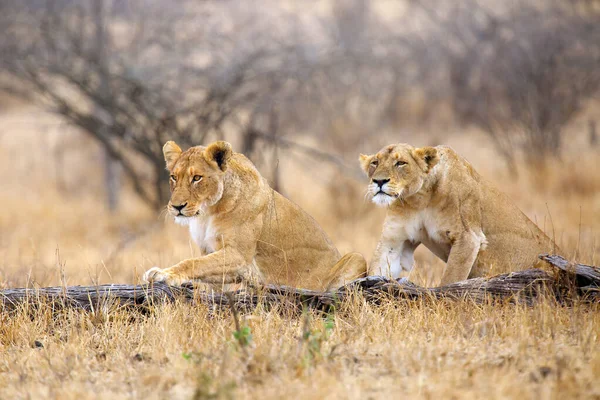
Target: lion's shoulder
(456,167)
(249,176)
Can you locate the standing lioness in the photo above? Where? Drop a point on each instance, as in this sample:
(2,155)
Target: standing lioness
(436,198)
(244,229)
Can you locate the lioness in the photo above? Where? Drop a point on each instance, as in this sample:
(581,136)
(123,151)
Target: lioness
(436,198)
(244,229)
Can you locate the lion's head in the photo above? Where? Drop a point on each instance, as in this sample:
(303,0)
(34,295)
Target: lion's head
(397,171)
(196,177)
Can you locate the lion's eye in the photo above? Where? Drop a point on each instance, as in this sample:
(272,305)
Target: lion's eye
(374,163)
(197,178)
(173,178)
(400,163)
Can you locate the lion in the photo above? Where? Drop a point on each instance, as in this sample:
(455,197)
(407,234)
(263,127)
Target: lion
(434,197)
(246,231)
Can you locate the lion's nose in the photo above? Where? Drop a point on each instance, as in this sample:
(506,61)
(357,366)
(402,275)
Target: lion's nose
(380,182)
(180,207)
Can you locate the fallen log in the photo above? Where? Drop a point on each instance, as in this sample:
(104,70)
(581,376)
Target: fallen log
(587,276)
(523,286)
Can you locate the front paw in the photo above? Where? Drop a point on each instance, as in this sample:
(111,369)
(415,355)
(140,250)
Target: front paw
(156,274)
(405,281)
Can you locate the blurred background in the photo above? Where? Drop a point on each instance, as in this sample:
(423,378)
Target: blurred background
(91,89)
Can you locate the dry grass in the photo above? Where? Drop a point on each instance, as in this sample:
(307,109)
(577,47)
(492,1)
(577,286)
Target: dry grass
(54,229)
(450,350)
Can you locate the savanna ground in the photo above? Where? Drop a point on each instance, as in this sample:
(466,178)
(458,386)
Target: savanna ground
(54,230)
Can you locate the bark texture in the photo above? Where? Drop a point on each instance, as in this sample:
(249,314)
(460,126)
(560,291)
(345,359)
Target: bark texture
(566,281)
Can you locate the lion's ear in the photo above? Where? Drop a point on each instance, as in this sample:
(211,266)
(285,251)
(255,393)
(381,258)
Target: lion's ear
(365,163)
(218,154)
(171,152)
(427,157)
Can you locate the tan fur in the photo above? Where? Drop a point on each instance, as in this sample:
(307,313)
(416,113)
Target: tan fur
(435,197)
(246,230)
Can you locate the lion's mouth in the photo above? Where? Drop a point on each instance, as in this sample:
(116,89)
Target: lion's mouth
(186,220)
(382,192)
(182,215)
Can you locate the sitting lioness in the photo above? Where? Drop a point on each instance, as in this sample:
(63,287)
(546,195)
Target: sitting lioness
(245,230)
(436,198)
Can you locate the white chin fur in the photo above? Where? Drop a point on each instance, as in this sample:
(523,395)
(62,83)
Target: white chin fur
(383,200)
(183,221)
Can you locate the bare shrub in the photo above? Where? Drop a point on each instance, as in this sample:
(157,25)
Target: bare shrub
(135,74)
(521,72)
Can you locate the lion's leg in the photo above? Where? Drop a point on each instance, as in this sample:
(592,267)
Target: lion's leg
(223,266)
(462,257)
(390,260)
(350,267)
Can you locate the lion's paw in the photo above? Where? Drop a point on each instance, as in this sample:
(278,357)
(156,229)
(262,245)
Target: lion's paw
(156,274)
(405,281)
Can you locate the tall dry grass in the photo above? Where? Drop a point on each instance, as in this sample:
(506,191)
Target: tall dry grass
(54,230)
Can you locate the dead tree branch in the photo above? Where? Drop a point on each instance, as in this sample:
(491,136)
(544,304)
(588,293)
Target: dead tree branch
(523,286)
